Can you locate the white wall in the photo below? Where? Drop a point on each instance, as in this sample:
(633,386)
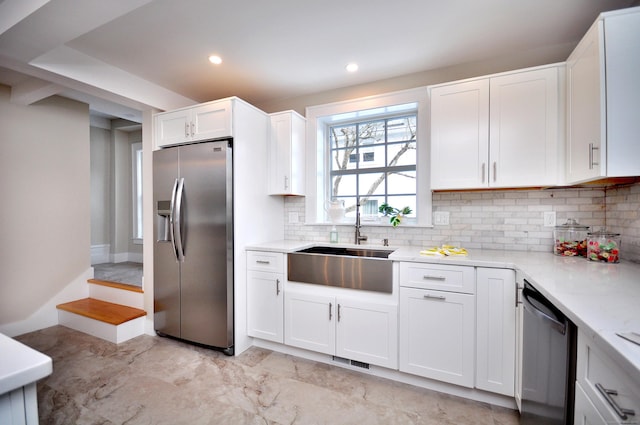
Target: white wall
(44,219)
(100,187)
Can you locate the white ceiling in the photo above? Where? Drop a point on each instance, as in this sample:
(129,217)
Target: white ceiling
(153,53)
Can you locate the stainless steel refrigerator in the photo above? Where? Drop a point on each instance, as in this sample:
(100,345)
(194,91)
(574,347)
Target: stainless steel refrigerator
(193,248)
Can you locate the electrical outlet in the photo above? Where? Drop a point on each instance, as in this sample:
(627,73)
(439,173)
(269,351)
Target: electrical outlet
(549,218)
(441,218)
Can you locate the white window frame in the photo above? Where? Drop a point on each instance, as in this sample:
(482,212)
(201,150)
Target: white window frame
(136,193)
(318,119)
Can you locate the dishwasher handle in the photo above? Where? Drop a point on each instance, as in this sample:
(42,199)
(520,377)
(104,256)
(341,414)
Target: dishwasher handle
(557,323)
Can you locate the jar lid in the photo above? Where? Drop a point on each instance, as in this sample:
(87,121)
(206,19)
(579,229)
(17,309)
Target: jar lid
(603,233)
(571,224)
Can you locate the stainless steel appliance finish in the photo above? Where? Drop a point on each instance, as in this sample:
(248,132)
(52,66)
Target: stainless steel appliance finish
(193,248)
(352,268)
(548,362)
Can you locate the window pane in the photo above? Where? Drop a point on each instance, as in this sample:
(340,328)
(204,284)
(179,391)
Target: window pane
(371,133)
(372,156)
(401,129)
(343,136)
(401,154)
(344,159)
(343,185)
(404,201)
(401,183)
(371,183)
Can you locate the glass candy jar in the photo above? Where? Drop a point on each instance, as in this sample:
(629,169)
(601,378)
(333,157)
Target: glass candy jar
(570,239)
(603,246)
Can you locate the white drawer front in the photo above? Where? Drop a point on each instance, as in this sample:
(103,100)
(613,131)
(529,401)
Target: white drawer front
(265,261)
(599,374)
(435,276)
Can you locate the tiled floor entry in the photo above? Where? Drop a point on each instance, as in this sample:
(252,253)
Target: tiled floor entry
(153,380)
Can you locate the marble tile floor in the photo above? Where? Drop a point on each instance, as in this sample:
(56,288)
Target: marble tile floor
(154,380)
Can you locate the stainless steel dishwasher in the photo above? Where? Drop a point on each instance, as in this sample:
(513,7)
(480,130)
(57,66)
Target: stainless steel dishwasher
(548,362)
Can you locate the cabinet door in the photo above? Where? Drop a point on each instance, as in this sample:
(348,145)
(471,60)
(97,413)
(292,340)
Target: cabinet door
(523,129)
(265,306)
(586,108)
(286,150)
(585,412)
(310,322)
(495,330)
(460,135)
(172,128)
(367,332)
(211,121)
(437,335)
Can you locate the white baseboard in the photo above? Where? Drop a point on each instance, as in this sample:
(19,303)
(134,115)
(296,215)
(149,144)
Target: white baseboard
(47,315)
(100,253)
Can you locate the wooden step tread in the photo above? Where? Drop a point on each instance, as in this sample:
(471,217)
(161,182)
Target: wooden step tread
(118,285)
(103,311)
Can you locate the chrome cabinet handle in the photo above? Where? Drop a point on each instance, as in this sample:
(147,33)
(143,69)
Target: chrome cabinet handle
(263,262)
(592,162)
(277,287)
(495,171)
(620,411)
(435,297)
(286,182)
(330,308)
(186,129)
(484,166)
(338,312)
(192,129)
(431,277)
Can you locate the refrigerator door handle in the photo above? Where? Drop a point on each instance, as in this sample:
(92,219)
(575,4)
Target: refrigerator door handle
(178,220)
(172,215)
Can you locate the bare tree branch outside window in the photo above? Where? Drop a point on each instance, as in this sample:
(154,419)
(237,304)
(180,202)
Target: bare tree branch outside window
(379,152)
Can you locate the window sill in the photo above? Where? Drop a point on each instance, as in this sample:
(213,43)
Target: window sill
(374,223)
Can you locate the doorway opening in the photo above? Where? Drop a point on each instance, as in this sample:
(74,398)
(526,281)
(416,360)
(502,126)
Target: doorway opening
(116,200)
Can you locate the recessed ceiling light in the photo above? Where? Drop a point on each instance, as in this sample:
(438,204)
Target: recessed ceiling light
(352,67)
(214,59)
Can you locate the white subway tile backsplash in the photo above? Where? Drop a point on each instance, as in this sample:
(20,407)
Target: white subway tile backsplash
(510,219)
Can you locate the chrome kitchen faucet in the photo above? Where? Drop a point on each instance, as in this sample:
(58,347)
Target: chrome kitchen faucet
(359,238)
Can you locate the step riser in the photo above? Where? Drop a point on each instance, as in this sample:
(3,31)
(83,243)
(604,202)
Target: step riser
(117,296)
(112,333)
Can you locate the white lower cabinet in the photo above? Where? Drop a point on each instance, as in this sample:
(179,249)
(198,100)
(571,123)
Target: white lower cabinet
(613,394)
(437,332)
(357,330)
(265,296)
(585,412)
(495,330)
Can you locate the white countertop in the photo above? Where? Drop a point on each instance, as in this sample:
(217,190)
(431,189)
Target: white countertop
(20,365)
(600,298)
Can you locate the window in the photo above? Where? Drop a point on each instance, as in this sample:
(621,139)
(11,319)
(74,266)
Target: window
(136,173)
(375,149)
(387,171)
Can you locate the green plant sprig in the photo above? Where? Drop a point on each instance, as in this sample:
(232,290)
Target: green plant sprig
(394,213)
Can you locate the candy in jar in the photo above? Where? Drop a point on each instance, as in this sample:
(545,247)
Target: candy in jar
(603,246)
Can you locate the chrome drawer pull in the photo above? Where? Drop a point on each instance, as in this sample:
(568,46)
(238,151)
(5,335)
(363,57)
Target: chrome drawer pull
(435,297)
(263,262)
(429,277)
(622,412)
(277,287)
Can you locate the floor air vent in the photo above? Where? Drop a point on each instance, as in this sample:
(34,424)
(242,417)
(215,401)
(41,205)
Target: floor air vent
(355,363)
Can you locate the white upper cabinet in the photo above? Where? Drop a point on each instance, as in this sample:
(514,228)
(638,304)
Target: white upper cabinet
(499,131)
(524,124)
(286,154)
(603,97)
(460,135)
(210,120)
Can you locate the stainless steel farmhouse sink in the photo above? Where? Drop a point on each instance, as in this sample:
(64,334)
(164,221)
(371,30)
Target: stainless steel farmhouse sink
(353,268)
